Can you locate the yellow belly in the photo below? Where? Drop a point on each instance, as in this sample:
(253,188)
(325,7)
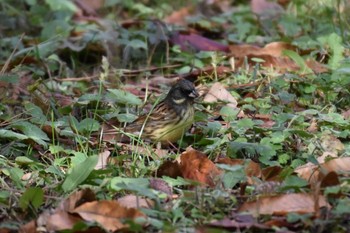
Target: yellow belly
(172,133)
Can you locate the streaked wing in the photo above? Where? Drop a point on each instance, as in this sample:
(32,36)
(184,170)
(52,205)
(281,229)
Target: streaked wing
(160,114)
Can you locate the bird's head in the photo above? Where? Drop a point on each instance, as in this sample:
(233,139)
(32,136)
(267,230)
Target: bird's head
(182,92)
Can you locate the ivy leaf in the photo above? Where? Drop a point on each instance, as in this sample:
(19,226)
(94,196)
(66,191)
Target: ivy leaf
(123,97)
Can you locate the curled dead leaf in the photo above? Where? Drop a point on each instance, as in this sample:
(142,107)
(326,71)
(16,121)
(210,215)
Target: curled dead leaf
(109,214)
(314,173)
(219,93)
(196,166)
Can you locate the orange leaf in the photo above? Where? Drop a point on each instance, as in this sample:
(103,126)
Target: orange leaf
(107,213)
(283,204)
(196,166)
(191,41)
(314,173)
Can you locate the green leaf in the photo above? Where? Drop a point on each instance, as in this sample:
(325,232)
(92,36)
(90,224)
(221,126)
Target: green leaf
(179,181)
(65,5)
(126,117)
(265,152)
(87,98)
(283,159)
(9,78)
(32,131)
(137,44)
(334,118)
(294,182)
(88,125)
(334,42)
(78,158)
(4,133)
(245,123)
(298,60)
(37,114)
(16,174)
(140,185)
(4,196)
(79,173)
(233,175)
(55,149)
(23,160)
(33,197)
(229,113)
(343,207)
(123,97)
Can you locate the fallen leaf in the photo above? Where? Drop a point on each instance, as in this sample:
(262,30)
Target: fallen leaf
(179,17)
(271,173)
(196,166)
(346,114)
(264,8)
(109,214)
(76,199)
(218,92)
(272,56)
(102,160)
(59,220)
(313,127)
(133,201)
(169,168)
(191,41)
(332,144)
(240,222)
(29,227)
(313,173)
(301,203)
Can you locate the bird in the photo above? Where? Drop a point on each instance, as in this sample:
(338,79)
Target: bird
(169,119)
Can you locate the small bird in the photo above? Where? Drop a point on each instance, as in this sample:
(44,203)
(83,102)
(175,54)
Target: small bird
(169,119)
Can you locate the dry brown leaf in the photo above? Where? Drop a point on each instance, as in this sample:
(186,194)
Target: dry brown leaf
(190,41)
(313,126)
(90,6)
(133,201)
(219,93)
(264,7)
(331,143)
(272,54)
(276,49)
(109,214)
(60,220)
(29,227)
(346,114)
(179,17)
(196,166)
(76,199)
(331,179)
(314,173)
(169,168)
(240,222)
(301,203)
(102,160)
(271,173)
(317,67)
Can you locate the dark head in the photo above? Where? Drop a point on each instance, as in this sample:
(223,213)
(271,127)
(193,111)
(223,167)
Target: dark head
(182,92)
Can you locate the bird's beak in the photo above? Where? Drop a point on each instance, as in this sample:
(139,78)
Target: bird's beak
(193,94)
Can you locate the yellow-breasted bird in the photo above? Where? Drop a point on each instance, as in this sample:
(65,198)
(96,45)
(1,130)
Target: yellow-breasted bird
(169,119)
